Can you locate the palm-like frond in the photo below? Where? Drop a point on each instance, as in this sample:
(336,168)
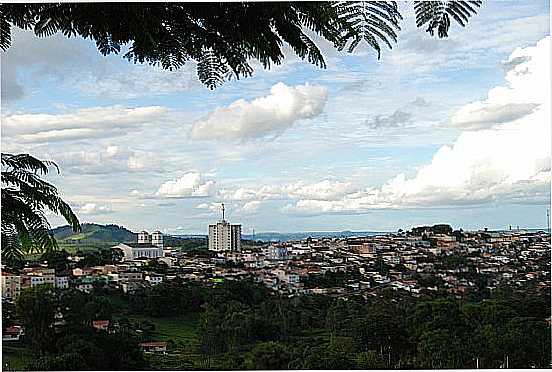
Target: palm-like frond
(223,38)
(374,22)
(436,14)
(25,197)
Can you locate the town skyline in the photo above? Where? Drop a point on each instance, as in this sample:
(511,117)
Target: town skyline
(448,130)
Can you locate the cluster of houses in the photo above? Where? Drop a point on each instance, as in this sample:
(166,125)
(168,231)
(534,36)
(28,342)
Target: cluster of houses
(123,276)
(417,261)
(400,261)
(367,264)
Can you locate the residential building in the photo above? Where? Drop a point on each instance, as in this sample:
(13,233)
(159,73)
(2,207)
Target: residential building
(11,285)
(12,333)
(100,325)
(224,237)
(153,346)
(62,282)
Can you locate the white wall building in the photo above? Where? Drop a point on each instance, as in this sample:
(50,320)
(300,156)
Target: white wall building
(157,239)
(62,282)
(133,251)
(144,237)
(148,246)
(223,236)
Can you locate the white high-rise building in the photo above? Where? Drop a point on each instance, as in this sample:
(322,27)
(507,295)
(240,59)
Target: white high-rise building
(223,236)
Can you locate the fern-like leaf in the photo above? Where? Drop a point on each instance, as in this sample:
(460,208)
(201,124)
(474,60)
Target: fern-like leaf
(374,22)
(436,14)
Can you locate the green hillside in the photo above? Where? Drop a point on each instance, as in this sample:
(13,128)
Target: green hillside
(92,232)
(94,236)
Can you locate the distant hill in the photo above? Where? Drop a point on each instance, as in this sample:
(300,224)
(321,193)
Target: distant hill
(92,232)
(102,234)
(94,236)
(274,236)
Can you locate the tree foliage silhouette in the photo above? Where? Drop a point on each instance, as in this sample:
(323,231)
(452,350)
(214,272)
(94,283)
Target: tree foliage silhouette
(25,199)
(224,38)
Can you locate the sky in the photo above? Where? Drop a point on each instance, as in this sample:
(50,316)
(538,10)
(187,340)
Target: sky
(453,130)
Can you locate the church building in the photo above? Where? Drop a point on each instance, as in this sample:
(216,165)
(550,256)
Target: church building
(148,246)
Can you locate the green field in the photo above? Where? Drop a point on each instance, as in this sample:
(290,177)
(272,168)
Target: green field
(72,248)
(182,330)
(84,246)
(181,333)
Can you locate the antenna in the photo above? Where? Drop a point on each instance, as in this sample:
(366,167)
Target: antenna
(223,211)
(548,218)
(253,234)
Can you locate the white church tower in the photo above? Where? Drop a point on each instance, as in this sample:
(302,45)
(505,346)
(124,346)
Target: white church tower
(157,239)
(144,237)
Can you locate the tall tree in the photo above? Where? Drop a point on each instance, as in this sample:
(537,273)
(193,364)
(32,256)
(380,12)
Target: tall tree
(25,199)
(37,307)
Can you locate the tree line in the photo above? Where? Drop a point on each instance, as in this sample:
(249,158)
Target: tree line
(242,325)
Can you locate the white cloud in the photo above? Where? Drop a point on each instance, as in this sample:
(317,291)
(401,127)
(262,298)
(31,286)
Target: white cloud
(93,209)
(46,57)
(507,163)
(479,115)
(235,208)
(251,206)
(93,122)
(209,206)
(264,116)
(109,159)
(138,81)
(188,186)
(322,190)
(75,63)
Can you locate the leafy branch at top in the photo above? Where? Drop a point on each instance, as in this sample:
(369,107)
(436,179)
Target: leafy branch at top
(223,38)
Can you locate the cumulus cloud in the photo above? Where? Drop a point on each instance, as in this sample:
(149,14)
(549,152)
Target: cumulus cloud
(263,116)
(209,206)
(235,208)
(522,94)
(397,119)
(248,200)
(322,190)
(251,206)
(480,115)
(508,162)
(103,160)
(511,63)
(189,185)
(84,123)
(93,209)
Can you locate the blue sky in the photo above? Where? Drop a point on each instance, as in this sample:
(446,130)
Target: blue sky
(426,134)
